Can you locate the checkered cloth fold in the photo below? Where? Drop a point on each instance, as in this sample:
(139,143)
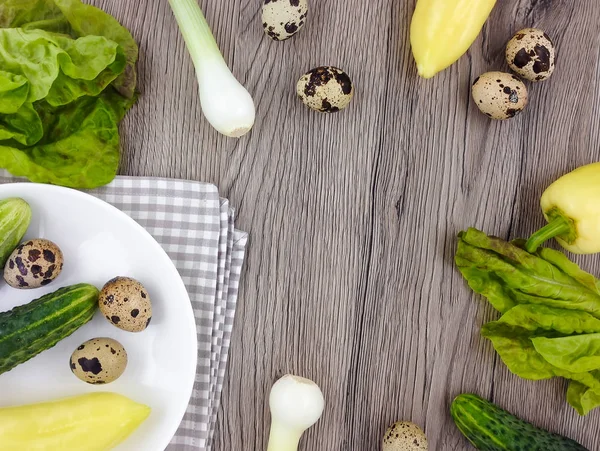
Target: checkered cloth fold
(197,230)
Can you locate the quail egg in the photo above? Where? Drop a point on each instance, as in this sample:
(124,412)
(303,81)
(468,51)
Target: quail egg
(33,264)
(499,95)
(99,361)
(530,54)
(326,89)
(126,304)
(404,436)
(282,19)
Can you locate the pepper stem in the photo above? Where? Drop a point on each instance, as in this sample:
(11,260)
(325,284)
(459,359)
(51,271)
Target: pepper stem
(557,226)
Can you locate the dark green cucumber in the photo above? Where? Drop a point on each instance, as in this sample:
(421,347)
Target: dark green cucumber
(29,329)
(15,216)
(490,428)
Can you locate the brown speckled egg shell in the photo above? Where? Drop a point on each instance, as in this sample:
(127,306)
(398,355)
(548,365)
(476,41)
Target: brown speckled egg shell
(99,361)
(326,89)
(404,436)
(530,54)
(126,303)
(33,264)
(282,19)
(499,95)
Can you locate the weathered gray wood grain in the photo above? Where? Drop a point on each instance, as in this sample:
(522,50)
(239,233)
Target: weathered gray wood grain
(349,277)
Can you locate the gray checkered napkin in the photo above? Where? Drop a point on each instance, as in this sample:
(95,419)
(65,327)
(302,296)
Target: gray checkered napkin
(197,229)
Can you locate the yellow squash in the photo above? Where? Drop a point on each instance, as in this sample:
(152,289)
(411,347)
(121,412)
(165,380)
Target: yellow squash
(442,31)
(571,206)
(91,422)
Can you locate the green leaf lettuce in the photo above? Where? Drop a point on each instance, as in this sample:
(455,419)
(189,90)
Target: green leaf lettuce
(550,312)
(67,78)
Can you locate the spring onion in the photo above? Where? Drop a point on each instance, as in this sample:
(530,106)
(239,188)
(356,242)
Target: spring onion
(296,404)
(226,104)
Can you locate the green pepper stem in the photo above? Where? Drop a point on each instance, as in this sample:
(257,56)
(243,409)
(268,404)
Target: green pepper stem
(557,226)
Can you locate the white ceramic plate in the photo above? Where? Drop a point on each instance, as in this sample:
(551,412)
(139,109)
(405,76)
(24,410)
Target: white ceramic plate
(100,242)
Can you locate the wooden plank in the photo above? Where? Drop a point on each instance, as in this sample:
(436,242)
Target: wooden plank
(349,277)
(446,169)
(303,184)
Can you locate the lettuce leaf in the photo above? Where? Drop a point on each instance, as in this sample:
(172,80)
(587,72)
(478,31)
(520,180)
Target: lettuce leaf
(514,336)
(550,323)
(58,69)
(87,20)
(582,398)
(576,353)
(524,278)
(80,150)
(67,79)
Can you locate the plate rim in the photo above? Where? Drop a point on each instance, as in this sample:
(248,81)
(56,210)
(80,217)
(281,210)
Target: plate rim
(87,197)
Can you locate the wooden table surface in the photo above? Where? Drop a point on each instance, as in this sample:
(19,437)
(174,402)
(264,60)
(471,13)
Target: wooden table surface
(352,217)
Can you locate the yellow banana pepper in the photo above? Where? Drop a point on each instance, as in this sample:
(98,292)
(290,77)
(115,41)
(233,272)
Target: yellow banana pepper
(96,421)
(571,206)
(442,31)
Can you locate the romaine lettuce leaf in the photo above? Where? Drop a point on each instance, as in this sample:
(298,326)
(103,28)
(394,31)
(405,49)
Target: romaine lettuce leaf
(550,323)
(525,278)
(582,398)
(575,353)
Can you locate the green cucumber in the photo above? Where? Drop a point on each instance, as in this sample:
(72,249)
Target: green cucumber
(29,329)
(490,428)
(15,216)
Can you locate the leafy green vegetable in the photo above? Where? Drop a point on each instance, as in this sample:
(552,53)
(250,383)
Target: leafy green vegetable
(582,398)
(535,320)
(550,323)
(66,70)
(525,278)
(86,20)
(67,79)
(577,353)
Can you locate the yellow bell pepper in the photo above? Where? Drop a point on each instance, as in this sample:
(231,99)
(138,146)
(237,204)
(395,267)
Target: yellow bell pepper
(571,206)
(91,422)
(442,31)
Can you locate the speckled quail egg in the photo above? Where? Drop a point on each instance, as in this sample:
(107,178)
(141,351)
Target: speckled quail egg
(326,89)
(282,19)
(499,95)
(33,264)
(530,54)
(99,361)
(126,304)
(404,436)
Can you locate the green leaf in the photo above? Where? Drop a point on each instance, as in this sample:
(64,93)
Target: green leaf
(516,350)
(67,78)
(22,13)
(14,91)
(516,333)
(86,20)
(582,398)
(525,278)
(57,68)
(550,325)
(23,127)
(82,149)
(562,262)
(535,320)
(75,19)
(576,353)
(519,355)
(484,283)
